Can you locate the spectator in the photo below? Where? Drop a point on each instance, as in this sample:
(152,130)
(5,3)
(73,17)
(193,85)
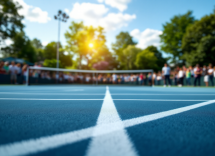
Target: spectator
(180,77)
(175,74)
(210,73)
(206,78)
(214,71)
(13,70)
(36,64)
(166,72)
(150,78)
(19,72)
(153,79)
(191,71)
(24,72)
(204,74)
(188,77)
(2,70)
(159,78)
(198,73)
(141,79)
(114,78)
(6,67)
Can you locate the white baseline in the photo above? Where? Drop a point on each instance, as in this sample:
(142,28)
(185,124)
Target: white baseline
(32,99)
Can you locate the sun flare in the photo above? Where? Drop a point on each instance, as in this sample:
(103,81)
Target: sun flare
(90,45)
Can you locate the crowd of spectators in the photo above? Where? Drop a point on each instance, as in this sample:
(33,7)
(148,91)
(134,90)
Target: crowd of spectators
(179,76)
(14,70)
(182,75)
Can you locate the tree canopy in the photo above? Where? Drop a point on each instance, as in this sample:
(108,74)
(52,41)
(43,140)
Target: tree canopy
(173,33)
(123,40)
(160,60)
(199,41)
(10,19)
(21,48)
(80,37)
(146,60)
(50,56)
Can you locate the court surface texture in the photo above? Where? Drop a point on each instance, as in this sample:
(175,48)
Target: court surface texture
(106,121)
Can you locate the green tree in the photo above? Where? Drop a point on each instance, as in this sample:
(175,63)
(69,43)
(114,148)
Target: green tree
(146,60)
(103,54)
(21,48)
(199,41)
(130,53)
(173,33)
(123,40)
(10,19)
(36,43)
(160,60)
(50,56)
(78,39)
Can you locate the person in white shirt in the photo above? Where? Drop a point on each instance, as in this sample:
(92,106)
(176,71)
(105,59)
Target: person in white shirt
(210,73)
(13,70)
(214,71)
(181,77)
(166,72)
(159,78)
(153,78)
(114,78)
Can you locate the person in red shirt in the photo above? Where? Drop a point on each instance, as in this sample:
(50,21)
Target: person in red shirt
(2,71)
(141,79)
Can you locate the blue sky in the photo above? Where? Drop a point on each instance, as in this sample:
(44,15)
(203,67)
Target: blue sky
(143,19)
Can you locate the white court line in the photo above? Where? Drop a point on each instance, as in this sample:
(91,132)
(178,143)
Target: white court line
(155,100)
(10,93)
(166,94)
(147,118)
(37,99)
(31,99)
(54,141)
(99,94)
(118,143)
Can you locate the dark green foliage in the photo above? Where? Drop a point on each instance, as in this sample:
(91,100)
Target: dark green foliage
(160,60)
(10,20)
(199,42)
(146,60)
(21,48)
(173,33)
(36,43)
(50,54)
(123,40)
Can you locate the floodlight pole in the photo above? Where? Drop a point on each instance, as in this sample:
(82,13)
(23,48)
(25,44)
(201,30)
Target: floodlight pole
(57,66)
(61,17)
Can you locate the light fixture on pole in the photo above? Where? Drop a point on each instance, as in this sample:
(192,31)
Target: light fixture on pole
(61,17)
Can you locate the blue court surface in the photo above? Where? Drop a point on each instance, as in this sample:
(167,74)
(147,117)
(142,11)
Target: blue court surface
(106,121)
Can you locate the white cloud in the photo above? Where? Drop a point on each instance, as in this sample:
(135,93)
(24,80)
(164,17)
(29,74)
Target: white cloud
(88,11)
(147,37)
(113,21)
(66,11)
(96,15)
(119,4)
(33,14)
(8,42)
(44,43)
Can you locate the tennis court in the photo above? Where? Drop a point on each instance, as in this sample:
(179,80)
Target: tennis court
(106,120)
